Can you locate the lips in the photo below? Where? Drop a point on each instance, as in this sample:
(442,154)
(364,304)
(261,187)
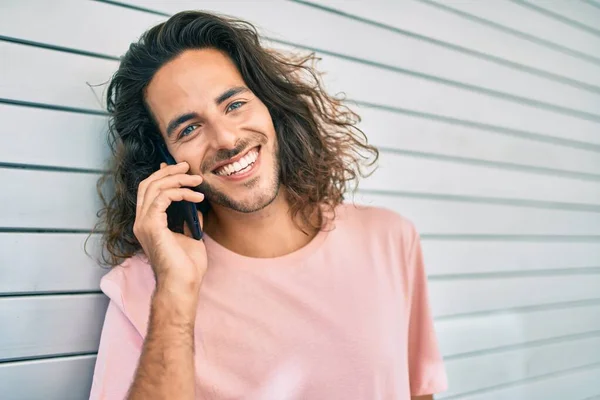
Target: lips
(238,165)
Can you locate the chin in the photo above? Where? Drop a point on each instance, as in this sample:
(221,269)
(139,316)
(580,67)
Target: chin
(253,203)
(255,199)
(257,204)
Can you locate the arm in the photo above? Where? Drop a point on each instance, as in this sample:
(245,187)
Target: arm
(161,366)
(166,366)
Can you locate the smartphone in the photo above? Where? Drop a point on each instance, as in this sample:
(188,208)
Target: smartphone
(189,209)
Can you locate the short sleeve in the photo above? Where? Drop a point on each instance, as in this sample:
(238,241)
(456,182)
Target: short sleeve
(426,368)
(118,355)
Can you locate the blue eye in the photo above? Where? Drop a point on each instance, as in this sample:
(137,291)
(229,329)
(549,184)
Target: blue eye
(187,131)
(237,105)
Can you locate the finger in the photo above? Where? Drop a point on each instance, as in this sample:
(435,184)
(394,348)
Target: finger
(161,202)
(169,182)
(167,170)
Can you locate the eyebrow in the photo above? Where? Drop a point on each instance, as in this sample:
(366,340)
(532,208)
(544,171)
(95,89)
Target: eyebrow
(180,119)
(230,93)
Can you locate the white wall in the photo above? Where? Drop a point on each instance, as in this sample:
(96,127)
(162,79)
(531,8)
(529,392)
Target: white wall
(488,117)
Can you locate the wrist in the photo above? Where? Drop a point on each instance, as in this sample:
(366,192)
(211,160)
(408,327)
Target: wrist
(180,300)
(178,285)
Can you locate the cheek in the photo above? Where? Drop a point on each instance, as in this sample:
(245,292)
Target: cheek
(194,154)
(262,118)
(269,131)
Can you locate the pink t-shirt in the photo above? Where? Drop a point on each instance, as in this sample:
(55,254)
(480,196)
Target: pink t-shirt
(345,317)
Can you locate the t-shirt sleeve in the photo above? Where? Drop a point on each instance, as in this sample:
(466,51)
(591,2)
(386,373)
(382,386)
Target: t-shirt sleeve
(426,368)
(118,355)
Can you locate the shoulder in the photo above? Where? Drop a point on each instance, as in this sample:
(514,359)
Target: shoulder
(130,286)
(379,231)
(376,219)
(383,237)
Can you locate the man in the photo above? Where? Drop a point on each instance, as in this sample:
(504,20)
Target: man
(291,294)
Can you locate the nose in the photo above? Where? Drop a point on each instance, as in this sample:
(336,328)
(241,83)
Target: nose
(223,136)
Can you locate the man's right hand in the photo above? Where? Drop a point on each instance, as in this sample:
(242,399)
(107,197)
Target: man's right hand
(178,260)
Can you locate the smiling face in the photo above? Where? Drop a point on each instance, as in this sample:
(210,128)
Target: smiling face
(211,120)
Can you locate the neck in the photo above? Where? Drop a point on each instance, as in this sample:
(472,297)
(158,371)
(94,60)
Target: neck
(270,232)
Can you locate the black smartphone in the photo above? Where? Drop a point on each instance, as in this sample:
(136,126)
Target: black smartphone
(189,209)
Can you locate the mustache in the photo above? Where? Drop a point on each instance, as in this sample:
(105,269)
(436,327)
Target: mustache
(226,154)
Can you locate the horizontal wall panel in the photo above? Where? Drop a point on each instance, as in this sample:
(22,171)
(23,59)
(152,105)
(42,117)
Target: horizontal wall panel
(413,133)
(61,80)
(48,199)
(88,18)
(416,174)
(69,200)
(43,326)
(523,19)
(57,138)
(355,39)
(377,86)
(390,89)
(470,218)
(67,315)
(50,325)
(58,263)
(65,378)
(582,15)
(480,372)
(47,269)
(464,296)
(470,35)
(448,257)
(364,41)
(474,334)
(64,131)
(579,384)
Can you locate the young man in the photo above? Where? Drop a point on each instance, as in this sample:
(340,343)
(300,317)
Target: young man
(291,294)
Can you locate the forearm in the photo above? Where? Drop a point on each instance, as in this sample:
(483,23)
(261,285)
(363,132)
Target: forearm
(166,365)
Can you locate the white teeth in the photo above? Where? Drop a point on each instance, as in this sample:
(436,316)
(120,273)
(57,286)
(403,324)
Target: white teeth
(239,165)
(252,156)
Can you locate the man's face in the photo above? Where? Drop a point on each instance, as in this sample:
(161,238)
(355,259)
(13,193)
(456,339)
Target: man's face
(211,120)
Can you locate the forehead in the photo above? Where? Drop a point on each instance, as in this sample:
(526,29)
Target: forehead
(191,81)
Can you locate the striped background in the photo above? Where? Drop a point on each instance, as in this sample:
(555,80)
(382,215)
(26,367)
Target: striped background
(488,118)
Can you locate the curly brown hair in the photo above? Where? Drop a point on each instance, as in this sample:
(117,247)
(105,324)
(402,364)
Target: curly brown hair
(321,150)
